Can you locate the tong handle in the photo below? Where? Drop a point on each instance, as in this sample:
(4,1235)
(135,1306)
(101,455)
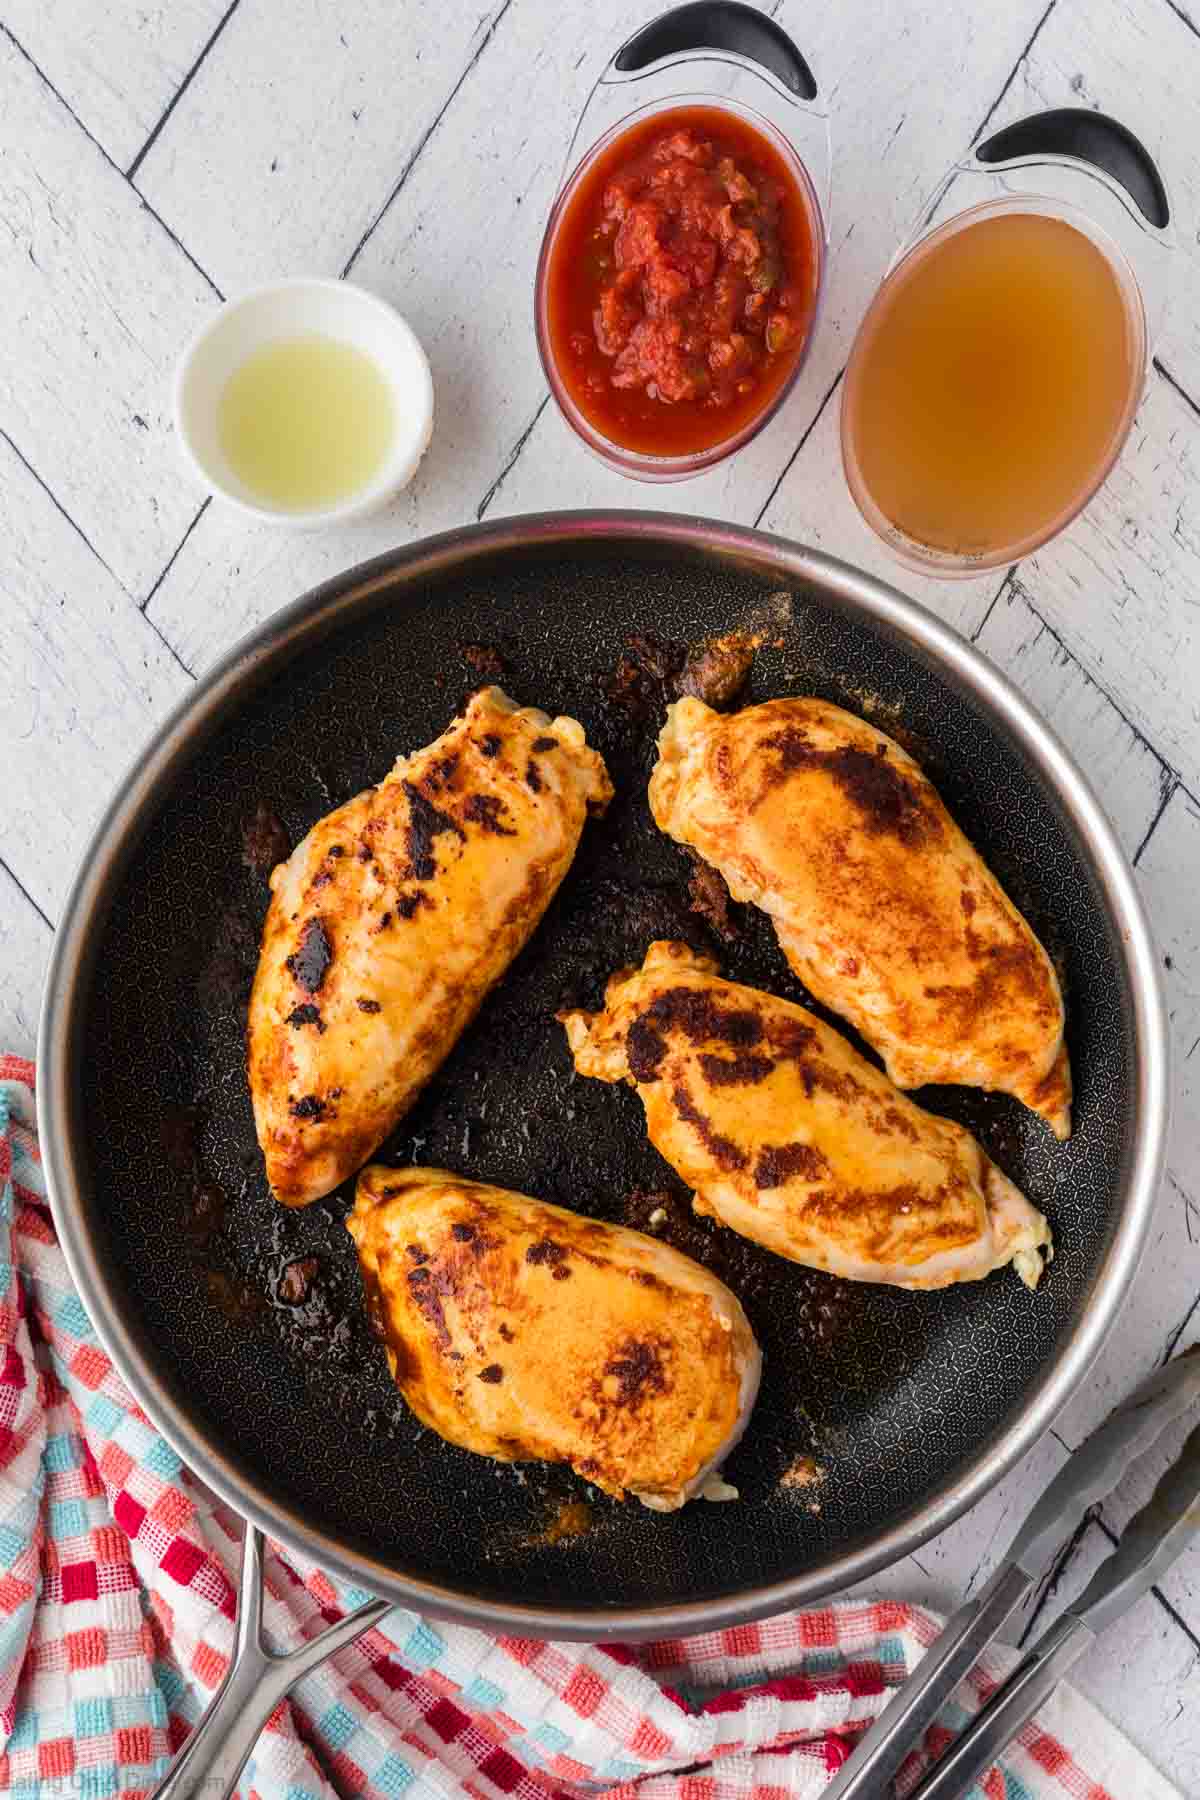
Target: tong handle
(1012,1705)
(908,1715)
(210,1763)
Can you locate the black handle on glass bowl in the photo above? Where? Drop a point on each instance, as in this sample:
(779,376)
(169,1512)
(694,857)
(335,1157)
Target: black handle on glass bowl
(720,25)
(1090,137)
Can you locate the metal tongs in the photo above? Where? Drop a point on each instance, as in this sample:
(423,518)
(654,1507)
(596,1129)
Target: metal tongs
(1151,1542)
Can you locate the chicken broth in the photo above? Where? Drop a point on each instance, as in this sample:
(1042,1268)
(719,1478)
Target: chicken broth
(991,386)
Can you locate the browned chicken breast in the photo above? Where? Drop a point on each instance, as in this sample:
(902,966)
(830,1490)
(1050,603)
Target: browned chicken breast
(392,919)
(526,1333)
(880,904)
(794,1140)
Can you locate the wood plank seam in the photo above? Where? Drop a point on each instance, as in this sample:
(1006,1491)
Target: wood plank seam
(96,144)
(1057,1572)
(1190,1314)
(1014,72)
(1169,781)
(181,90)
(808,431)
(169,564)
(170,648)
(409,166)
(515,452)
(1160,368)
(1186,17)
(1191,1206)
(60,508)
(1009,577)
(1175,1617)
(520,444)
(86,541)
(1165,768)
(26,895)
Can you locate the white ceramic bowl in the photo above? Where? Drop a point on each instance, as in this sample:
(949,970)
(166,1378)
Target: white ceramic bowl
(286,309)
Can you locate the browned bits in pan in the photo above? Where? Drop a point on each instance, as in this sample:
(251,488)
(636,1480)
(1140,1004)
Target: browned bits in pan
(485,659)
(297,1279)
(265,843)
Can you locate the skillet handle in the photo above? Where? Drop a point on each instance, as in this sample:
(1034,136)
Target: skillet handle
(219,1748)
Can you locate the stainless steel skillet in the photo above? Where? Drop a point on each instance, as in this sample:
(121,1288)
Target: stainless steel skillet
(911,1406)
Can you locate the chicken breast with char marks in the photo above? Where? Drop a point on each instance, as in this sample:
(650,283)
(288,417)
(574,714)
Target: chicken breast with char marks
(524,1332)
(392,919)
(791,1138)
(881,906)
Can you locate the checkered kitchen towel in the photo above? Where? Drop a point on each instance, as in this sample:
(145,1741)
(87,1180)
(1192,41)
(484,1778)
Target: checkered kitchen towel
(116,1625)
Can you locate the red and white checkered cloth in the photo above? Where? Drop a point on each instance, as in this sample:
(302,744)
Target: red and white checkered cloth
(116,1625)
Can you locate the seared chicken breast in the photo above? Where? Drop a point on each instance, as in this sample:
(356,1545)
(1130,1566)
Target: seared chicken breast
(525,1333)
(791,1138)
(392,919)
(881,906)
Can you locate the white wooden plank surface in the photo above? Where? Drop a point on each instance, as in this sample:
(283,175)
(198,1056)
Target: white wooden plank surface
(1100,630)
(24,947)
(1162,1316)
(1120,587)
(270,201)
(84,677)
(100,303)
(118,67)
(1130,781)
(1140,63)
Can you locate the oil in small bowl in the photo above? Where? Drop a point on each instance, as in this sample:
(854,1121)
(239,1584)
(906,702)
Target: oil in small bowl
(306,422)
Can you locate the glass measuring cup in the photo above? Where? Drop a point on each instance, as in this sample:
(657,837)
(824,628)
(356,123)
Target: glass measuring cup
(996,373)
(714,57)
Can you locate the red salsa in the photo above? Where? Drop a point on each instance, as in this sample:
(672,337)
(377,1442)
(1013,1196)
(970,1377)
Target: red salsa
(681,282)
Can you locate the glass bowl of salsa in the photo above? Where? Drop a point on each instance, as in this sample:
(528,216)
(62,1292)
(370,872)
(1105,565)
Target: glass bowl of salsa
(681,266)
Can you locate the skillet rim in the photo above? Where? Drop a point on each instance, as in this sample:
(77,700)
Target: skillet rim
(272,644)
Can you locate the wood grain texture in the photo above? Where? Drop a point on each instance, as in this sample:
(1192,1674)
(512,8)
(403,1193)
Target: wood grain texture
(85,680)
(1120,587)
(101,303)
(24,948)
(261,198)
(1162,1316)
(117,66)
(1141,64)
(1129,779)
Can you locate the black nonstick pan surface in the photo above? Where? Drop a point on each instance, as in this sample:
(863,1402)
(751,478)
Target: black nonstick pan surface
(239,1325)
